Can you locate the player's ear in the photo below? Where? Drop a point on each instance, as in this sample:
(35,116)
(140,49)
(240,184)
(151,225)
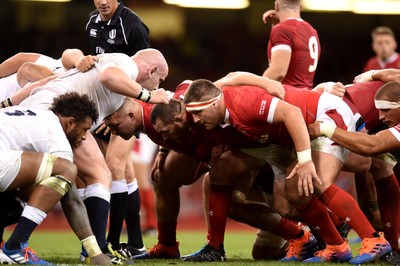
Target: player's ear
(215,105)
(152,70)
(178,118)
(68,123)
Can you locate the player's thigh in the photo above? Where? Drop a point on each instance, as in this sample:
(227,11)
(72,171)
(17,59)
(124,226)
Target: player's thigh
(92,167)
(231,166)
(356,163)
(178,170)
(17,170)
(119,149)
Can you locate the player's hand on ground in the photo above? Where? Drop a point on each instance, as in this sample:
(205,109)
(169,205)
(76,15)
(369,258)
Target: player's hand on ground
(101,259)
(159,96)
(364,77)
(270,16)
(314,130)
(306,175)
(86,63)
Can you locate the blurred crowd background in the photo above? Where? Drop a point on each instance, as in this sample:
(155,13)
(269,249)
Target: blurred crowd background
(197,43)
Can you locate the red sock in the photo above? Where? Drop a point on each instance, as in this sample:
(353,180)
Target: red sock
(335,219)
(287,229)
(316,216)
(220,200)
(347,209)
(166,233)
(387,190)
(147,201)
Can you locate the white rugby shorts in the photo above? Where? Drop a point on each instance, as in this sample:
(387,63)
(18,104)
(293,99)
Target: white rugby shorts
(10,164)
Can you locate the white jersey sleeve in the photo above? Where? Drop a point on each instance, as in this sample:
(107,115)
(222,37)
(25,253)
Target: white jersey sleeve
(123,61)
(55,65)
(395,131)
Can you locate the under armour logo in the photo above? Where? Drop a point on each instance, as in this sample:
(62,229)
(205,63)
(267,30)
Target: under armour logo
(388,224)
(211,213)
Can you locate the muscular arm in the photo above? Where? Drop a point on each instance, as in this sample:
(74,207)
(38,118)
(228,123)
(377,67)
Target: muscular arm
(305,169)
(365,144)
(116,80)
(294,122)
(279,65)
(72,58)
(29,72)
(239,78)
(387,75)
(24,93)
(12,64)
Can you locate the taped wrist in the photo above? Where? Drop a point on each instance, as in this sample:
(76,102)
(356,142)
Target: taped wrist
(304,156)
(6,103)
(144,95)
(327,129)
(91,246)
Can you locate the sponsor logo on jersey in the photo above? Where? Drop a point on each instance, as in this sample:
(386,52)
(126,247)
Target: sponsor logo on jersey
(262,107)
(93,32)
(100,50)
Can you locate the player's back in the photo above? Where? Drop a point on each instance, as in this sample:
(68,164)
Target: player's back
(305,48)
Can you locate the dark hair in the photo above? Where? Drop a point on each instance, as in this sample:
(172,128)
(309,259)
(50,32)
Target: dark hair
(390,91)
(166,112)
(71,104)
(201,90)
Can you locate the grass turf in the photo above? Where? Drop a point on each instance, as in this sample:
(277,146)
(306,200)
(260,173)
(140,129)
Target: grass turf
(63,247)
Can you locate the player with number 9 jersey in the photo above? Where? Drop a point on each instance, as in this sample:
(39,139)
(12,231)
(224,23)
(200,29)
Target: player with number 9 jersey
(301,40)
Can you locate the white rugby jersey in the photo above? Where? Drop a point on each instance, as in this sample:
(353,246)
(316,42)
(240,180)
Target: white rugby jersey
(9,84)
(88,83)
(29,129)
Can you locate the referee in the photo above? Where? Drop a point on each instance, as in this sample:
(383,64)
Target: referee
(114,28)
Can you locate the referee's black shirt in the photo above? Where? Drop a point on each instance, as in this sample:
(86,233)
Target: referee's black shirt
(124,33)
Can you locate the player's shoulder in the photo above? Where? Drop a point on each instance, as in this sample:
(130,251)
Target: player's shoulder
(112,57)
(92,15)
(129,16)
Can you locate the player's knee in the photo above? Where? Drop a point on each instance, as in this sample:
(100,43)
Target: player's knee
(56,173)
(67,169)
(58,183)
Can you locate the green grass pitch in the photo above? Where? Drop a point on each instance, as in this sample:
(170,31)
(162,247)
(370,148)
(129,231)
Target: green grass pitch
(63,247)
